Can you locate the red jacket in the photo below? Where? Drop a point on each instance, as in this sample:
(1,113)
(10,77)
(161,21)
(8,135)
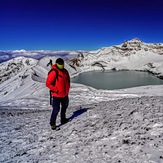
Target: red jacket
(60,87)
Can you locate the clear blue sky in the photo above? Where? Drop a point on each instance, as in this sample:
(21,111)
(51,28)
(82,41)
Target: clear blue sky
(78,24)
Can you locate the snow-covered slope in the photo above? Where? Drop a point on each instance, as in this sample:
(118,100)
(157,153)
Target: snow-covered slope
(27,82)
(131,55)
(107,126)
(126,130)
(12,67)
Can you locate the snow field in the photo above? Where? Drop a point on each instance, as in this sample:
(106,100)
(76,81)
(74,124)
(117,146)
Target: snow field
(125,130)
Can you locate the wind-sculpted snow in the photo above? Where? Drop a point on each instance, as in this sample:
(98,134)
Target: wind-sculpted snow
(126,130)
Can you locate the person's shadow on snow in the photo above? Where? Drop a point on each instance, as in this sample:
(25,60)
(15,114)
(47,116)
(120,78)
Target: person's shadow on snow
(78,113)
(75,114)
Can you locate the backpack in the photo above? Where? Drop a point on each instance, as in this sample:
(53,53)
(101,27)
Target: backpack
(56,71)
(53,69)
(53,82)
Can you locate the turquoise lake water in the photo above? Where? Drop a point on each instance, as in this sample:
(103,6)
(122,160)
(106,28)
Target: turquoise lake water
(116,79)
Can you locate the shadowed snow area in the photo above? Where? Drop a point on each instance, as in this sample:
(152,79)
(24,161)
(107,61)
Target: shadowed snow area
(125,130)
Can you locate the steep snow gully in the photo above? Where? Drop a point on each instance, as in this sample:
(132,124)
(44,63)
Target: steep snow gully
(125,130)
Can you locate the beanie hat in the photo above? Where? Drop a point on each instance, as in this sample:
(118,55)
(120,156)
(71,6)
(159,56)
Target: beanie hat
(60,61)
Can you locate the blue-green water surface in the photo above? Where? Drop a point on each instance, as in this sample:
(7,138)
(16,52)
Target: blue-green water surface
(116,79)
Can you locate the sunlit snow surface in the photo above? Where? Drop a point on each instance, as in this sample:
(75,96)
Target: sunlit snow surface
(126,130)
(107,126)
(123,125)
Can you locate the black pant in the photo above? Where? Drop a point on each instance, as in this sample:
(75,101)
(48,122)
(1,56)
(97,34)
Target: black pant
(56,108)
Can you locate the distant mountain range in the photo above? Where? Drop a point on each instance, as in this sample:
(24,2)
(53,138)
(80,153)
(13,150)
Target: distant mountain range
(132,54)
(126,48)
(36,54)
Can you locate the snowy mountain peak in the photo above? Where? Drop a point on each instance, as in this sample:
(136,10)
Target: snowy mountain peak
(132,54)
(132,43)
(137,44)
(135,40)
(14,66)
(20,51)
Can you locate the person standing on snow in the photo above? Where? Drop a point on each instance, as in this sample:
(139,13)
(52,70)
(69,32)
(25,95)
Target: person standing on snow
(58,81)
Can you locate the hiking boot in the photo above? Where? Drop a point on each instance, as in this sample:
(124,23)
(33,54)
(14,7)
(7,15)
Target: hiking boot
(53,127)
(63,121)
